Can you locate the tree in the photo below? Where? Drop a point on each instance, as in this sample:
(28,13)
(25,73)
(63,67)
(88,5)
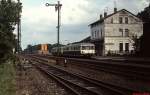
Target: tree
(10,13)
(137,44)
(145,16)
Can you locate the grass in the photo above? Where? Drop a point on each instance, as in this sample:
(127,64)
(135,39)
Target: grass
(7,79)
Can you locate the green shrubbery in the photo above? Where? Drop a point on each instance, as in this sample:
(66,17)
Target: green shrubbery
(7,79)
(9,16)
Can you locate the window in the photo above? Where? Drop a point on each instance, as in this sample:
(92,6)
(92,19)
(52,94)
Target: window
(98,33)
(92,34)
(112,20)
(95,34)
(126,20)
(121,47)
(85,47)
(92,47)
(120,20)
(126,32)
(126,47)
(101,33)
(121,31)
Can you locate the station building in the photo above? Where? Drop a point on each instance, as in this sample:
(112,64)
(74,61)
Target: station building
(115,33)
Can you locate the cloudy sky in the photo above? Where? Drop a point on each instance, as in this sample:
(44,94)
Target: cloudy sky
(39,22)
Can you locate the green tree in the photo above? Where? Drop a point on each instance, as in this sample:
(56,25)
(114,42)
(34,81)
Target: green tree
(145,16)
(10,13)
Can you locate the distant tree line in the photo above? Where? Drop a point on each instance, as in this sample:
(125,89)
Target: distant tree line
(10,12)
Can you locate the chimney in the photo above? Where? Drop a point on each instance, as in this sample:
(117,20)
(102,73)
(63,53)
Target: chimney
(115,10)
(101,16)
(105,14)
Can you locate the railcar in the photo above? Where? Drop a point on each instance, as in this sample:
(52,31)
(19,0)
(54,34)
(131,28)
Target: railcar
(37,49)
(79,49)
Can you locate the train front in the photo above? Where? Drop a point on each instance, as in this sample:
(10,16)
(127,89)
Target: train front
(87,49)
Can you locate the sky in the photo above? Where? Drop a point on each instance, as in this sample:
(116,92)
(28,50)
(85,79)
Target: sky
(39,22)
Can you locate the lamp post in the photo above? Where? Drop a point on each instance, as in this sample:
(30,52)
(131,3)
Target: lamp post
(57,8)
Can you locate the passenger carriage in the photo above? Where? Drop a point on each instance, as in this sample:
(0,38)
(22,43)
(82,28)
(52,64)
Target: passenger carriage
(79,49)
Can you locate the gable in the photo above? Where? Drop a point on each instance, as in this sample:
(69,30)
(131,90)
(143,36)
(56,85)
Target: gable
(127,13)
(124,13)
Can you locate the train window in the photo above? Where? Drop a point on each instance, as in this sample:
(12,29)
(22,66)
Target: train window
(67,48)
(92,47)
(75,48)
(72,48)
(83,47)
(86,47)
(78,47)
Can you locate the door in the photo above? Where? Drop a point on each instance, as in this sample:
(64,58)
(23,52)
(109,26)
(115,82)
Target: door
(127,47)
(121,47)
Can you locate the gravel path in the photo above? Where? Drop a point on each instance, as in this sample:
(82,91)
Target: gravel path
(32,82)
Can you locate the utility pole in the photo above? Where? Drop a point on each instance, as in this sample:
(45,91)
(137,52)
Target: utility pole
(57,8)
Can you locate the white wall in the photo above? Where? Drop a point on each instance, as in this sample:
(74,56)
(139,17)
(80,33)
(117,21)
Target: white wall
(97,32)
(112,44)
(112,35)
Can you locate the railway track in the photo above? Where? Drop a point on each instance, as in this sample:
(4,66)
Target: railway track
(79,84)
(135,71)
(144,61)
(125,60)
